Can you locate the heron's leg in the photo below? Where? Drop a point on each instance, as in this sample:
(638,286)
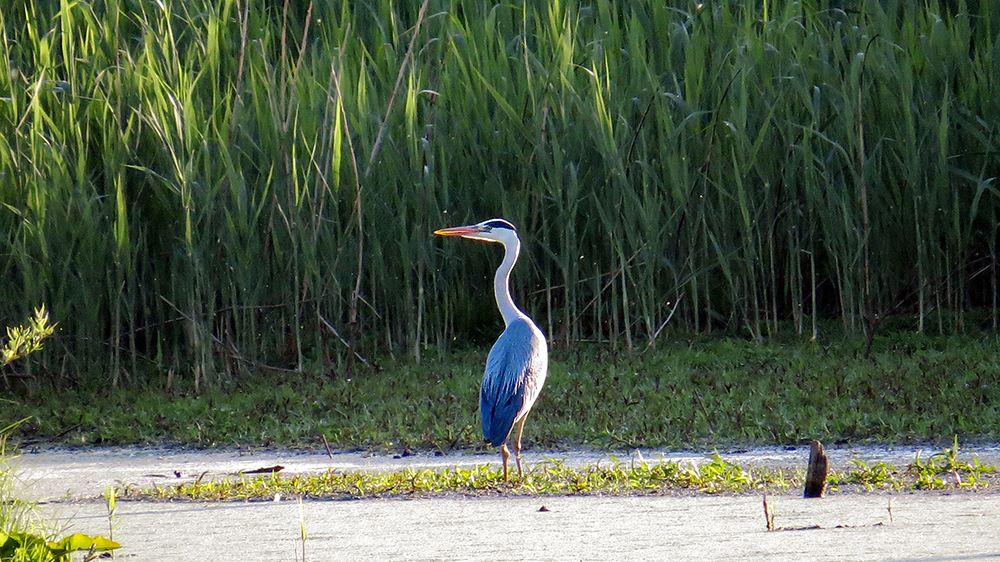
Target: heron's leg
(517,446)
(505,453)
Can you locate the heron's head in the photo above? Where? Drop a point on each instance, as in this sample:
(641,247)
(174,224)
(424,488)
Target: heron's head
(493,230)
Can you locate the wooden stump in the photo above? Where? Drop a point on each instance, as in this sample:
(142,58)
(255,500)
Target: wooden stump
(816,475)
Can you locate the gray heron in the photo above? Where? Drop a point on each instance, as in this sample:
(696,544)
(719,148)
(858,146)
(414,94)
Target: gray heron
(517,363)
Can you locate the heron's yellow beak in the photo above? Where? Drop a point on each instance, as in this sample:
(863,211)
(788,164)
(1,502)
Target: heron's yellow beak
(458,231)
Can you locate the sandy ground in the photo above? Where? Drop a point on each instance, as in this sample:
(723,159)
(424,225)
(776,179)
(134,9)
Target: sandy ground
(843,527)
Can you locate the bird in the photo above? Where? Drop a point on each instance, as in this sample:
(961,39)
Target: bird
(518,361)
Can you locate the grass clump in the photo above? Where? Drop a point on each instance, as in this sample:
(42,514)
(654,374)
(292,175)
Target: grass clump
(547,478)
(972,476)
(943,470)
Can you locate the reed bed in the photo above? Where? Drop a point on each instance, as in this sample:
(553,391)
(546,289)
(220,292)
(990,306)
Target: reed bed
(198,189)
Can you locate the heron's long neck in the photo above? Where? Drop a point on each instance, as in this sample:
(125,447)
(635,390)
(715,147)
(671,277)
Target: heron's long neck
(501,283)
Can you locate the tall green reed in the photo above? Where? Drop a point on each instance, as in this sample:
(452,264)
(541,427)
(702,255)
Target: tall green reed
(205,188)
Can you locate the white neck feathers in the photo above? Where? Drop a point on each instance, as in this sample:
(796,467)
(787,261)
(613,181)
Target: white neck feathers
(501,283)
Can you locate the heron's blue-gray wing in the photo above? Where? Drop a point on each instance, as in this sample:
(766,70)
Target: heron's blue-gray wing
(515,372)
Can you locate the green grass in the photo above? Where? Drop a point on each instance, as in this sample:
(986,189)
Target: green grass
(548,478)
(195,189)
(702,393)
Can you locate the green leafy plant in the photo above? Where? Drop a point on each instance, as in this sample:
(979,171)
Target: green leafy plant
(27,339)
(26,547)
(870,476)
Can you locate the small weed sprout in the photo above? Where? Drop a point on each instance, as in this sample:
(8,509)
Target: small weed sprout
(111,502)
(302,527)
